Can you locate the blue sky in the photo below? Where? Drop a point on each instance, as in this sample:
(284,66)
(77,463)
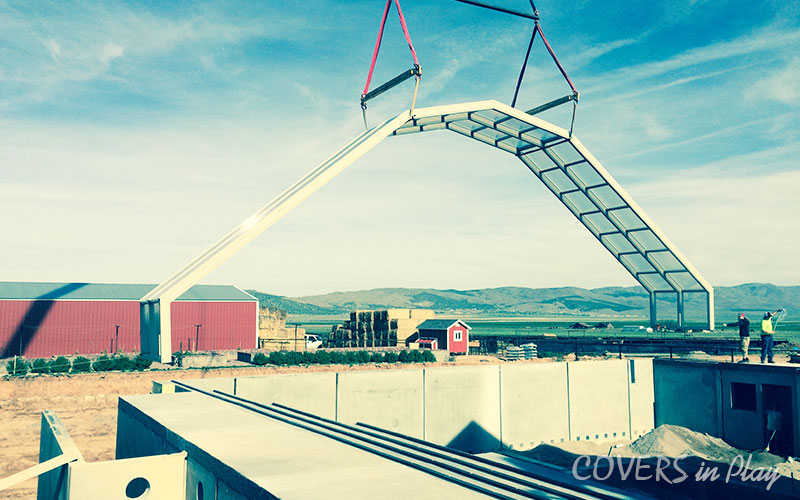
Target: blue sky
(133,135)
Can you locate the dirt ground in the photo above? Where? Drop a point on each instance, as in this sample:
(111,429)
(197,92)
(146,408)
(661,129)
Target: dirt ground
(87,405)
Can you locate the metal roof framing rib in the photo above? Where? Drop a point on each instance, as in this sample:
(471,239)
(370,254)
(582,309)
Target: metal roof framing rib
(559,160)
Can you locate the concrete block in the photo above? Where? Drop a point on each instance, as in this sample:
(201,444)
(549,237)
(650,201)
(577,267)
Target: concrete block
(162,387)
(392,400)
(462,407)
(598,400)
(534,407)
(311,392)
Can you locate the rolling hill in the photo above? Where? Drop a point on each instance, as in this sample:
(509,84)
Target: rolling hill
(751,298)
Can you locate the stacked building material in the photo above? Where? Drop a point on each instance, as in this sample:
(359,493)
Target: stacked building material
(514,353)
(274,334)
(531,350)
(381,328)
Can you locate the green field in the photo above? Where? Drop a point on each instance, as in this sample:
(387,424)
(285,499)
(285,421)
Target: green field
(789,330)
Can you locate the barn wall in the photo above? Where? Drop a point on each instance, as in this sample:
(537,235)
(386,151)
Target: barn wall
(224,325)
(44,328)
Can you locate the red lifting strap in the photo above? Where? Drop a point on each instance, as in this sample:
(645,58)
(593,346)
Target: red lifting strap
(380,37)
(555,59)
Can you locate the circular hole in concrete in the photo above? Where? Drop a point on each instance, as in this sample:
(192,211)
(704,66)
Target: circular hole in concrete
(137,488)
(199,490)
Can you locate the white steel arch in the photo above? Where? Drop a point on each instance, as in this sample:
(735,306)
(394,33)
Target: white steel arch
(559,160)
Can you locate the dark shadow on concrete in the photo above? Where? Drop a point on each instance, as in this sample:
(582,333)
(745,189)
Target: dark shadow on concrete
(475,439)
(27,329)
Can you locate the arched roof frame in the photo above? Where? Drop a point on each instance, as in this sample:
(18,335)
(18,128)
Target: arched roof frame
(551,153)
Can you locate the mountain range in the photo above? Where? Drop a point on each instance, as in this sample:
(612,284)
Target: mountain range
(751,298)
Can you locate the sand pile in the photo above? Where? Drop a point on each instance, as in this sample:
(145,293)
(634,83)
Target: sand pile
(665,440)
(673,441)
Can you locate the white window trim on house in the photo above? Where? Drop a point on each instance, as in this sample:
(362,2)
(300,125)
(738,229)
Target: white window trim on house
(457,335)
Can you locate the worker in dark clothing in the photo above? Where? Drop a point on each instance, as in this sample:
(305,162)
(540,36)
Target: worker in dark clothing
(744,336)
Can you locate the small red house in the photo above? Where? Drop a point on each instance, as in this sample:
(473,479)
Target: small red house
(452,335)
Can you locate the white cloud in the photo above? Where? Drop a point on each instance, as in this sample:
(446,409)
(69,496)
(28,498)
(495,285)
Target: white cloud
(782,85)
(111,51)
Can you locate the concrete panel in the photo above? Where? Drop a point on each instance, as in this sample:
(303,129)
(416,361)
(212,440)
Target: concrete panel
(462,407)
(598,400)
(164,477)
(534,405)
(642,398)
(54,441)
(390,399)
(687,395)
(311,392)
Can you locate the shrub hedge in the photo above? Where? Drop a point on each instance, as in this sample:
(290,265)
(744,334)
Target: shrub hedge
(322,357)
(80,364)
(18,366)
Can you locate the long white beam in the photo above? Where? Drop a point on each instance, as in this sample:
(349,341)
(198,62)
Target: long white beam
(272,212)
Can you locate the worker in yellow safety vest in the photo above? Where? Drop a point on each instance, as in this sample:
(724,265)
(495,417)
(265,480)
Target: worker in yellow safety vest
(767,341)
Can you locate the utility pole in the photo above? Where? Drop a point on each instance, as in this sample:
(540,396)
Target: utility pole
(197,337)
(295,334)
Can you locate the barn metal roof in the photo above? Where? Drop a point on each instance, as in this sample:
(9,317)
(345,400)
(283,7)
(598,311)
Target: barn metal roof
(441,324)
(23,290)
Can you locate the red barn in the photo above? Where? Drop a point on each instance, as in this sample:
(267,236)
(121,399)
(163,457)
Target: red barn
(452,335)
(40,320)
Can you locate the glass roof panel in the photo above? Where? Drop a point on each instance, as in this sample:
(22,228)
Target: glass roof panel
(619,243)
(515,143)
(429,119)
(581,203)
(638,262)
(601,222)
(586,174)
(627,219)
(646,240)
(541,160)
(559,180)
(468,125)
(538,136)
(665,260)
(566,153)
(514,126)
(491,114)
(491,134)
(606,197)
(685,280)
(655,282)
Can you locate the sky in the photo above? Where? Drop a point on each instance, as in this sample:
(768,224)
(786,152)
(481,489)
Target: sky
(134,134)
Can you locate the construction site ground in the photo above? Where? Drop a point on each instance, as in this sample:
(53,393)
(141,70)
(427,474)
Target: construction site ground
(87,405)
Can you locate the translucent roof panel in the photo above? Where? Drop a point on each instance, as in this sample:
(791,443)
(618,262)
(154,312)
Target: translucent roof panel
(578,180)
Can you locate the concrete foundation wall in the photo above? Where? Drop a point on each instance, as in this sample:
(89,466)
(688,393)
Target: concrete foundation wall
(688,395)
(392,400)
(598,400)
(462,407)
(473,408)
(311,392)
(533,404)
